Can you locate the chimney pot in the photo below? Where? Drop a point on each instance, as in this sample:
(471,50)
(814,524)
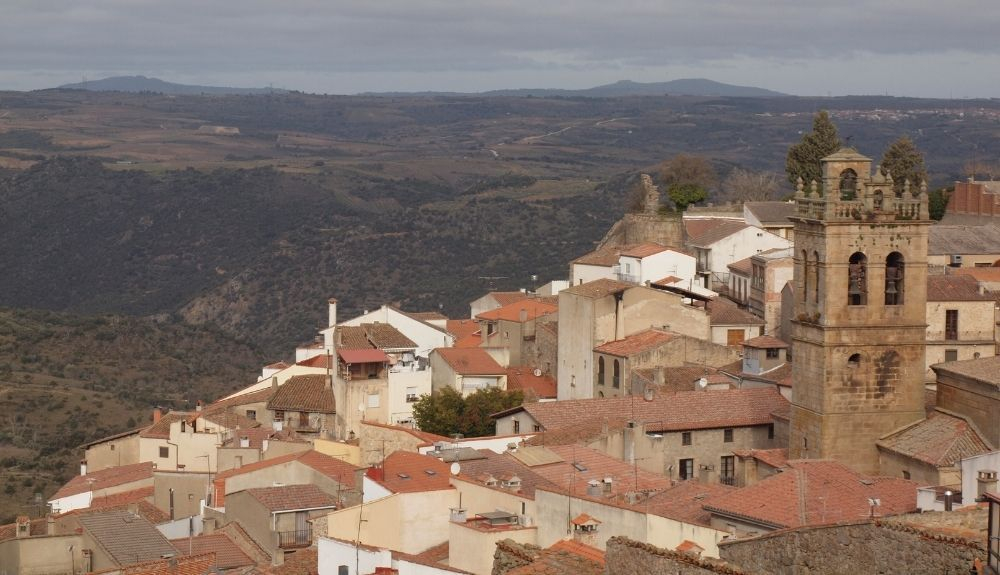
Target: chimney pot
(332,319)
(157,414)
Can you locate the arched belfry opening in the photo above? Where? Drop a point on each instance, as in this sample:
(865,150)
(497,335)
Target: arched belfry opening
(857,279)
(894,276)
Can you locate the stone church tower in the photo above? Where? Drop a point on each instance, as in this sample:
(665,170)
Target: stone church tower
(859,317)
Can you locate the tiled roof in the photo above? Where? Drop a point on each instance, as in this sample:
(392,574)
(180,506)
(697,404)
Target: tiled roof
(956,288)
(643,250)
(583,519)
(257,435)
(133,496)
(227,554)
(948,240)
(462,328)
(308,393)
(470,361)
(202,564)
(36,527)
(407,472)
(351,337)
(725,312)
(941,440)
(125,537)
(743,266)
(606,256)
(532,309)
(279,365)
(716,233)
(523,378)
(773,213)
(776,458)
(561,560)
(428,315)
(598,288)
(694,227)
(984,369)
(259,396)
(227,420)
(422,435)
(161,428)
(683,410)
(577,548)
(582,433)
(765,342)
(291,497)
(990,274)
(321,361)
(684,501)
(105,478)
(497,465)
(595,465)
(302,562)
(816,492)
(676,378)
(637,343)
(385,336)
(334,468)
(508,297)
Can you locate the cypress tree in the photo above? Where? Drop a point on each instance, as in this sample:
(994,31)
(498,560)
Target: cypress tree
(803,158)
(903,161)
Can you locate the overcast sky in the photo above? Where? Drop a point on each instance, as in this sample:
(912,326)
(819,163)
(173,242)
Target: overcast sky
(897,47)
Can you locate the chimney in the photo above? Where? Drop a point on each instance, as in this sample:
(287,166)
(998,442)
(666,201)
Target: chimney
(50,524)
(198,405)
(23,527)
(157,414)
(658,377)
(340,338)
(83,467)
(274,382)
(332,321)
(608,482)
(522,315)
(987,481)
(594,488)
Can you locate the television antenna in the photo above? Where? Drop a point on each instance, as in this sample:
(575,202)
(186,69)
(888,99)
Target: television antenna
(493,280)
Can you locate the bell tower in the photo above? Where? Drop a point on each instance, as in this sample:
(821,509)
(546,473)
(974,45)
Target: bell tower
(859,321)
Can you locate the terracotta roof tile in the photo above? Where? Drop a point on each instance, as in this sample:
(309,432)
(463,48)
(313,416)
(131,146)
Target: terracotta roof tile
(816,492)
(765,342)
(428,315)
(423,435)
(598,288)
(125,537)
(291,497)
(226,420)
(497,465)
(306,393)
(675,378)
(259,396)
(227,554)
(684,501)
(523,378)
(532,309)
(105,478)
(334,468)
(776,458)
(576,548)
(407,472)
(470,361)
(725,312)
(940,440)
(772,213)
(161,428)
(595,465)
(956,288)
(193,565)
(606,256)
(302,562)
(743,266)
(948,240)
(257,435)
(716,233)
(384,336)
(984,369)
(351,337)
(133,496)
(35,527)
(461,328)
(637,343)
(560,561)
(508,297)
(683,410)
(321,361)
(279,365)
(990,274)
(643,250)
(694,227)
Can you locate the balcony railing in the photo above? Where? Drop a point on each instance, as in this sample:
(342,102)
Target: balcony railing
(292,539)
(727,479)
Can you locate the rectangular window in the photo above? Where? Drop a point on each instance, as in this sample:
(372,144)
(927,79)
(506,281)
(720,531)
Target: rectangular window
(770,431)
(687,468)
(735,336)
(727,435)
(252,414)
(517,426)
(685,438)
(373,400)
(411,394)
(772,353)
(537,428)
(727,471)
(951,355)
(279,415)
(164,452)
(951,324)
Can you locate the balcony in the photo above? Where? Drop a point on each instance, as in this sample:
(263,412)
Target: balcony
(295,539)
(411,398)
(727,480)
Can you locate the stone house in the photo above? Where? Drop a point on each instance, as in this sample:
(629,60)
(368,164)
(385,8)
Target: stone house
(731,325)
(633,263)
(279,517)
(494,300)
(770,271)
(971,389)
(727,243)
(961,320)
(80,491)
(963,245)
(772,217)
(513,327)
(305,404)
(466,370)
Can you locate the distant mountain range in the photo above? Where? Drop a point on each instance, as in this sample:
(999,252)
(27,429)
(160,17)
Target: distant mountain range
(144,84)
(682,87)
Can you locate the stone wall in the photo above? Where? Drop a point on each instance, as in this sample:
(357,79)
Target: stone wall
(511,555)
(880,547)
(627,557)
(665,229)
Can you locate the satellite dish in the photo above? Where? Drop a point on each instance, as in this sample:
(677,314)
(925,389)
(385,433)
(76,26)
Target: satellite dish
(455,468)
(537,372)
(702,383)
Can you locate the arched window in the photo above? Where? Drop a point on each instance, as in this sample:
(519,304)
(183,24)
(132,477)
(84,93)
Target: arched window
(857,280)
(600,370)
(848,184)
(877,199)
(815,278)
(805,276)
(894,279)
(854,361)
(617,375)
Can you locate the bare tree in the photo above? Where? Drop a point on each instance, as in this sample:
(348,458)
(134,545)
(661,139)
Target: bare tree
(748,186)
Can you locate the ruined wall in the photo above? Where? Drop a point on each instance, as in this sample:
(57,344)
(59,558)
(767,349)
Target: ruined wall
(880,547)
(627,557)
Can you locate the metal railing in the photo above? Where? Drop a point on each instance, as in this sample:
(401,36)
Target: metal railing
(299,538)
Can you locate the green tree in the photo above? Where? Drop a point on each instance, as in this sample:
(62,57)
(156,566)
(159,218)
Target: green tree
(447,412)
(903,161)
(803,158)
(688,179)
(937,201)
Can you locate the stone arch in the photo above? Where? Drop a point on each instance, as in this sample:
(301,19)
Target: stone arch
(616,379)
(857,279)
(848,184)
(894,278)
(600,370)
(805,276)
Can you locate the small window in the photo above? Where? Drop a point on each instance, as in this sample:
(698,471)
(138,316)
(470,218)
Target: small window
(112,447)
(164,452)
(183,426)
(951,324)
(770,431)
(517,426)
(252,414)
(685,438)
(616,379)
(772,353)
(537,428)
(951,355)
(373,400)
(600,371)
(727,435)
(906,474)
(279,415)
(854,362)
